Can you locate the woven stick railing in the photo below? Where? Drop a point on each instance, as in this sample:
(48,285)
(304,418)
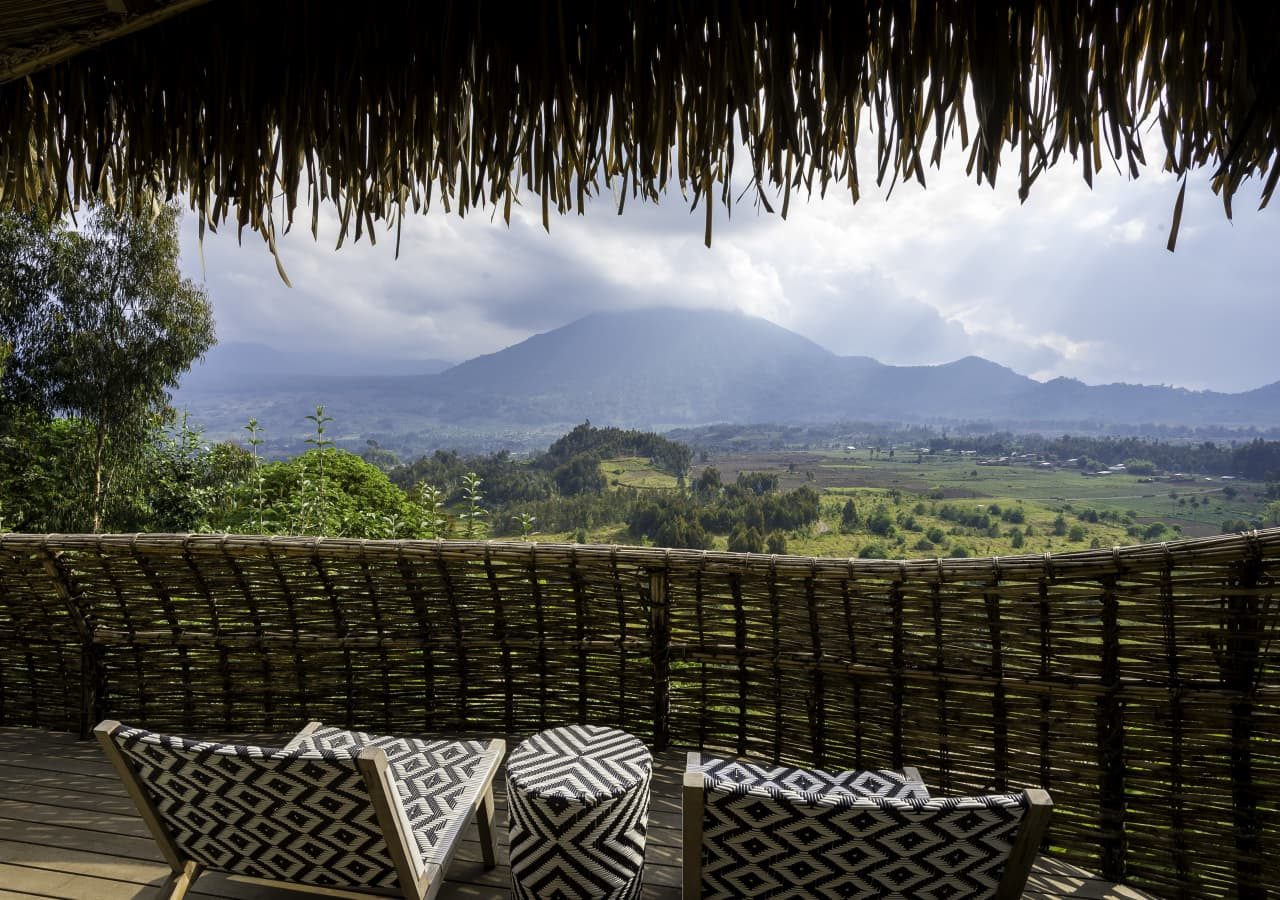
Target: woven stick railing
(1138,684)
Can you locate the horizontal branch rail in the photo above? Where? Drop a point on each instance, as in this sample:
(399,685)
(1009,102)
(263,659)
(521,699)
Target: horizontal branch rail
(1137,684)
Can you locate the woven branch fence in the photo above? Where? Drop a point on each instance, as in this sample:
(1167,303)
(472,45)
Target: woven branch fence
(1137,685)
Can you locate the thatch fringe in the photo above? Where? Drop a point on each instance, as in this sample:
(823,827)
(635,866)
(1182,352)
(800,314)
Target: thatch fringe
(381,108)
(1139,685)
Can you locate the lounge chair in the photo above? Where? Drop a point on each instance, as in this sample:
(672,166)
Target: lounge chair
(772,833)
(341,811)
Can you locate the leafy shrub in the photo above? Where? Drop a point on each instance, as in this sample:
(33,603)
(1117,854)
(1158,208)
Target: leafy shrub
(880,522)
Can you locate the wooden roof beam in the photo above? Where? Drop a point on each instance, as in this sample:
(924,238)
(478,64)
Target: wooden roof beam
(62,45)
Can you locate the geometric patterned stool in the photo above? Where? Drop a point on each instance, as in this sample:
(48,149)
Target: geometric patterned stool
(579,798)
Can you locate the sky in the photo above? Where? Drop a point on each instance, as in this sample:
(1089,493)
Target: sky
(1075,282)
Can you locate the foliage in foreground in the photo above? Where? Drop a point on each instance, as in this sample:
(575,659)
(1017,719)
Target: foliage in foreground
(97,326)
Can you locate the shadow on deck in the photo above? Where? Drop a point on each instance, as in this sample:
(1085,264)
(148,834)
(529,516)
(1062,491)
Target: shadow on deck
(68,830)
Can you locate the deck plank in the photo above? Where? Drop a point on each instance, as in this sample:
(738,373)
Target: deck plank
(67,830)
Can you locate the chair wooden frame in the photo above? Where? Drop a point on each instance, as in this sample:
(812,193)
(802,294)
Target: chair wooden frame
(1017,869)
(378,780)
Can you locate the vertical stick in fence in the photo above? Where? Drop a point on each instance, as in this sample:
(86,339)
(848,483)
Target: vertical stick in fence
(775,673)
(939,667)
(161,590)
(1243,632)
(660,624)
(255,616)
(380,626)
(999,702)
(846,596)
(422,613)
(623,608)
(1176,724)
(540,619)
(291,607)
(459,639)
(341,630)
(740,649)
(580,632)
(1046,700)
(700,620)
(91,669)
(1110,726)
(898,687)
(818,683)
(500,634)
(215,626)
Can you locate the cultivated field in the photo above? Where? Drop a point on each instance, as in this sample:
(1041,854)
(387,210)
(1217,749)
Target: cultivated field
(954,504)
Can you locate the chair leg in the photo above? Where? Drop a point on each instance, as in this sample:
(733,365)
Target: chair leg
(179,882)
(484,822)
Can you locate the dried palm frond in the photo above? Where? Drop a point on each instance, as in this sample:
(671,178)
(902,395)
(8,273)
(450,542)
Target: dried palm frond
(384,107)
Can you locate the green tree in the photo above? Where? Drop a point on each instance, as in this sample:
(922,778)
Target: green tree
(1135,466)
(707,485)
(745,540)
(580,475)
(880,522)
(99,325)
(359,501)
(849,518)
(1271,515)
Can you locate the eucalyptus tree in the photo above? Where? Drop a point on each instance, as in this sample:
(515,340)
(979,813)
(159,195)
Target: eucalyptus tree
(100,325)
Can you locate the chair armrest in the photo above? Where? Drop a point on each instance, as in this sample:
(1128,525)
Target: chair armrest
(301,735)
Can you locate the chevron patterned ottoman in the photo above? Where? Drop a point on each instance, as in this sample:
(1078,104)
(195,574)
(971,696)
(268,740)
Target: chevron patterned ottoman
(579,798)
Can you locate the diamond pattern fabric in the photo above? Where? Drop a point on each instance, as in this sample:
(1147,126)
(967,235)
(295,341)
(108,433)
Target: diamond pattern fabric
(300,815)
(437,780)
(766,840)
(866,783)
(579,799)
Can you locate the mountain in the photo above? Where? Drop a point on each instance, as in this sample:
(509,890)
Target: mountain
(239,363)
(644,367)
(657,368)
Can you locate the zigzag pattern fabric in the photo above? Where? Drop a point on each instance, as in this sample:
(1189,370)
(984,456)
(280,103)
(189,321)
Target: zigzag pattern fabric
(579,800)
(766,842)
(865,783)
(437,780)
(300,815)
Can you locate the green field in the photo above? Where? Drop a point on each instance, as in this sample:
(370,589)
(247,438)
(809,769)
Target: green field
(1055,508)
(636,472)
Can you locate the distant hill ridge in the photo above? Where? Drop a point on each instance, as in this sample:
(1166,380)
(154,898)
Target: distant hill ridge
(655,368)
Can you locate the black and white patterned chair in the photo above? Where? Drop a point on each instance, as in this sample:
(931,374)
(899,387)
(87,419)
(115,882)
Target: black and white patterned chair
(579,801)
(342,811)
(778,832)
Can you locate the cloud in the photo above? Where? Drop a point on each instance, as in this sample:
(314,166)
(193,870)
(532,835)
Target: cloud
(1074,282)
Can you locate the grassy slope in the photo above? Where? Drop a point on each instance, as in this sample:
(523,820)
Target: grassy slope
(1041,493)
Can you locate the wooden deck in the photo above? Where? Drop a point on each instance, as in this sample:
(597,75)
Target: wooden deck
(68,830)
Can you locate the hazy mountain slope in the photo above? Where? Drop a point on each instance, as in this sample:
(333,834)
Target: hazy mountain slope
(670,367)
(640,367)
(243,363)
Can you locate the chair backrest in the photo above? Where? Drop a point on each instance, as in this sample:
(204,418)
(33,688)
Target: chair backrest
(765,841)
(297,815)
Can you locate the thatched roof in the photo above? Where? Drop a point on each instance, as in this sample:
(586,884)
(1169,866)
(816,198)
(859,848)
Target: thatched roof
(253,108)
